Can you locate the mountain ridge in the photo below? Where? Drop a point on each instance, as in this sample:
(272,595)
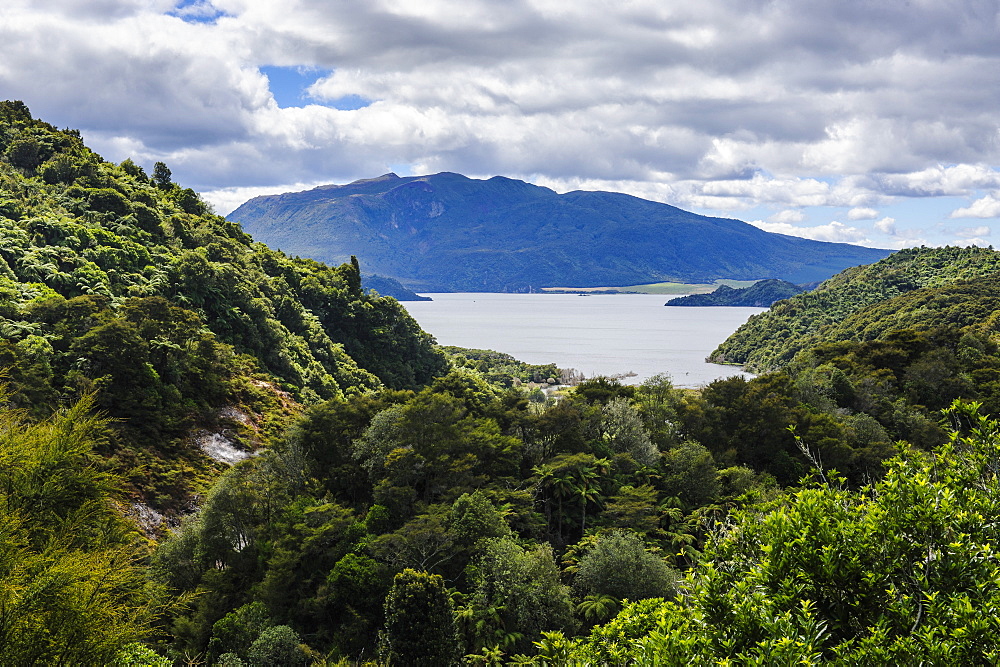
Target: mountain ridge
(448,232)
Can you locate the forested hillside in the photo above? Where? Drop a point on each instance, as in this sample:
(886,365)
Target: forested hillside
(769,341)
(127,286)
(386,502)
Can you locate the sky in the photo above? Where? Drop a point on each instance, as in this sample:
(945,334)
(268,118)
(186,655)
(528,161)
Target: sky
(874,122)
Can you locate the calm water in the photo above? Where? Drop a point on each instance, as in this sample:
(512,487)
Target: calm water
(596,334)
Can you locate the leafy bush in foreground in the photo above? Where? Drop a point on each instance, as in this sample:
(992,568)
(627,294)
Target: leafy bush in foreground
(902,572)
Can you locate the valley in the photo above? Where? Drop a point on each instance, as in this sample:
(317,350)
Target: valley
(216,452)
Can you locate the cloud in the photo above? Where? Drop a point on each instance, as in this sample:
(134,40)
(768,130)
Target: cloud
(225,200)
(986,207)
(886,226)
(712,105)
(899,238)
(971,242)
(936,181)
(862,213)
(834,231)
(789,216)
(972,232)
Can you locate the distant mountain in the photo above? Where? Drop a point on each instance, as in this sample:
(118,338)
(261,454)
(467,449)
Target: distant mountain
(759,295)
(446,232)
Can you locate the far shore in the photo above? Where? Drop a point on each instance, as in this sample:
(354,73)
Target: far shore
(652,288)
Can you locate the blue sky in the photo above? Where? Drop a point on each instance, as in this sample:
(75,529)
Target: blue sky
(869,123)
(290,88)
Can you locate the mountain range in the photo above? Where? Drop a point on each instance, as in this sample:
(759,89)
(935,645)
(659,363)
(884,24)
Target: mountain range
(447,232)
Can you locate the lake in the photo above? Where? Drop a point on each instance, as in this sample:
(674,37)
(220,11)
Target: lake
(597,334)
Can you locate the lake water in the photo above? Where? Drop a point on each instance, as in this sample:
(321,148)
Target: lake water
(598,334)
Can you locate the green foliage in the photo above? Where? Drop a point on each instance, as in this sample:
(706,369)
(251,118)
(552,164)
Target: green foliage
(770,340)
(239,629)
(139,655)
(690,474)
(434,447)
(278,646)
(602,390)
(658,402)
(516,595)
(499,368)
(155,238)
(900,572)
(420,622)
(619,566)
(371,485)
(624,432)
(474,517)
(71,588)
(162,178)
(130,287)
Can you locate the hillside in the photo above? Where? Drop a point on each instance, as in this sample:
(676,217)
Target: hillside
(770,340)
(446,232)
(390,287)
(340,490)
(126,285)
(759,295)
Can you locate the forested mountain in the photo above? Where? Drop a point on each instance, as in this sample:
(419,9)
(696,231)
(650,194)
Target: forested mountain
(761,294)
(446,232)
(769,341)
(405,504)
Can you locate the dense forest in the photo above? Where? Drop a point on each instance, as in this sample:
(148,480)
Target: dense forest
(386,501)
(770,340)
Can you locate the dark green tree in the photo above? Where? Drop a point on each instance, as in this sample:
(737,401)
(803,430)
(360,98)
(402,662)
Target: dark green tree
(278,646)
(620,566)
(517,595)
(901,572)
(419,622)
(162,178)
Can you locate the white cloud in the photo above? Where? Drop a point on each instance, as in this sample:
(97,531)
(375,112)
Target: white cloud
(861,213)
(955,180)
(886,226)
(714,105)
(971,242)
(833,231)
(225,200)
(972,232)
(986,207)
(900,238)
(898,243)
(789,216)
